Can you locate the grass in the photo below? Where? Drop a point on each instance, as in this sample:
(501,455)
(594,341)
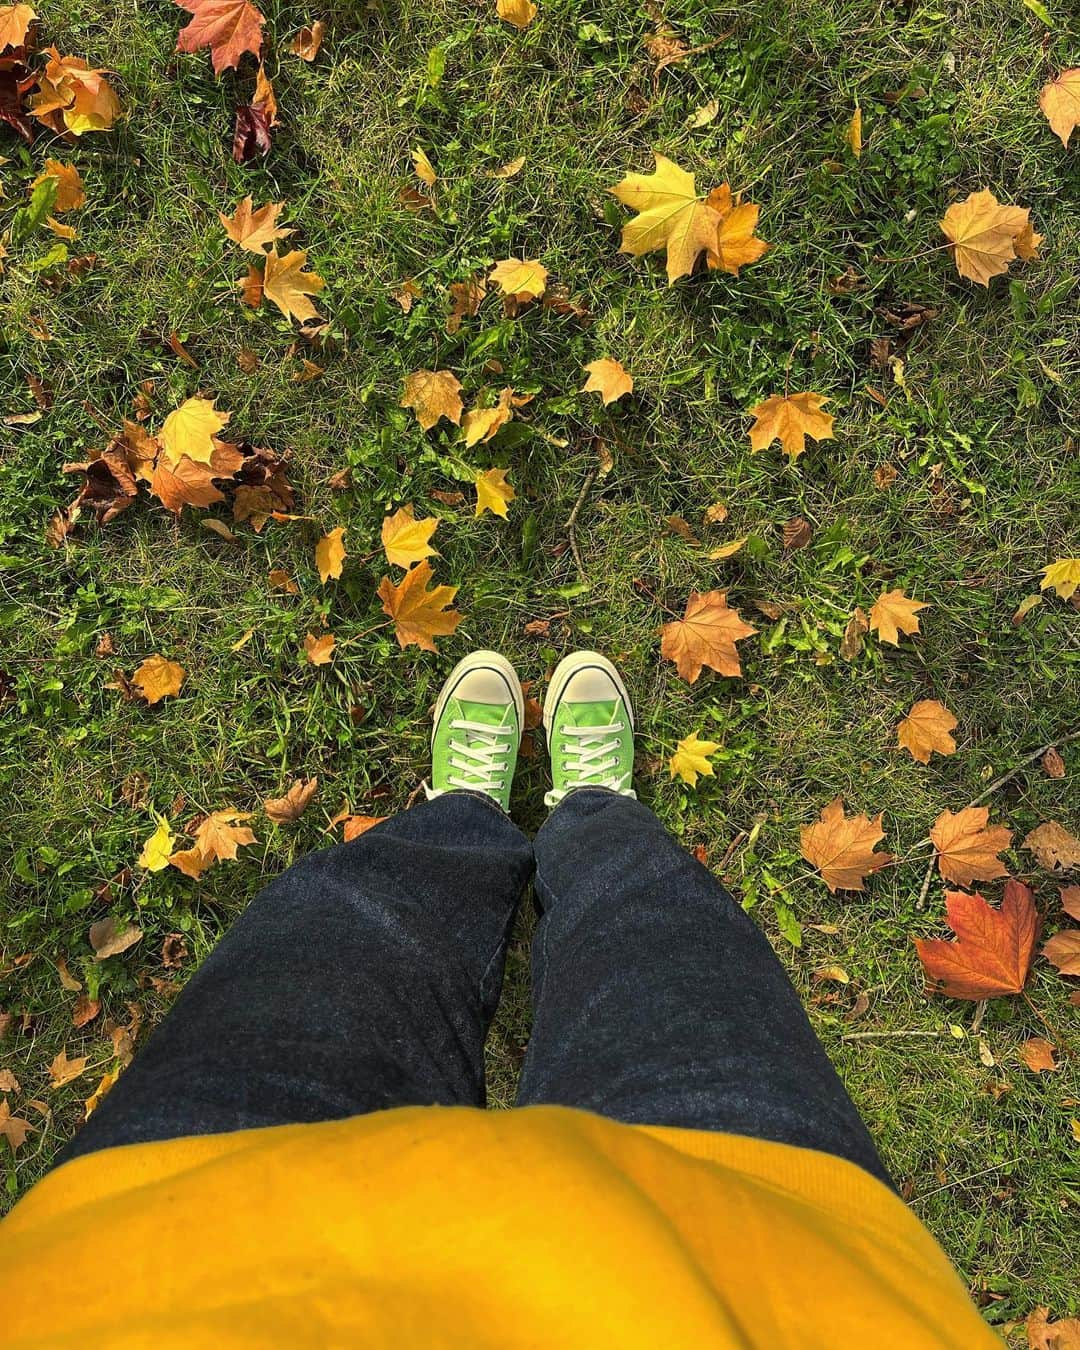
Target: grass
(983,442)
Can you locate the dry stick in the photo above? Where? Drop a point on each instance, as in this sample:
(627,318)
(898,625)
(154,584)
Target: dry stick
(988,792)
(877,1035)
(571,524)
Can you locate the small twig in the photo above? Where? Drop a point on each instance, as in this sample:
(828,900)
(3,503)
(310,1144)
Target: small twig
(988,792)
(571,524)
(960,1181)
(1062,1042)
(878,1035)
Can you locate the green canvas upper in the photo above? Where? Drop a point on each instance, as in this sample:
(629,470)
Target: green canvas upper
(591,744)
(475,746)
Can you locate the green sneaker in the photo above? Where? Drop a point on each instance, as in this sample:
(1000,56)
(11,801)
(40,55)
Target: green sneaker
(590,727)
(479,718)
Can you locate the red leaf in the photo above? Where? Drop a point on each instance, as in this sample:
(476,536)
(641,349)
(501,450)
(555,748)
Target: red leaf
(994,948)
(251,136)
(228,27)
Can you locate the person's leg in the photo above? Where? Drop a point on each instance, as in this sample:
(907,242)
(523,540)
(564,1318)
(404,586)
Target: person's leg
(656,999)
(362,978)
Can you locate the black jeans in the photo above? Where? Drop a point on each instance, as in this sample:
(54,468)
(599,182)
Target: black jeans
(366,975)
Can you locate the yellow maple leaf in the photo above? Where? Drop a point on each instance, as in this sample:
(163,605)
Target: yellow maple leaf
(521,279)
(518,12)
(190,430)
(94,1100)
(155,852)
(608,378)
(419,615)
(79,95)
(406,540)
(61,230)
(1063,576)
(319,650)
(982,233)
(735,244)
(894,613)
(330,555)
(69,186)
(252,229)
(927,728)
(690,760)
(433,394)
(288,286)
(425,170)
(705,636)
(158,678)
(493,492)
(843,848)
(221,833)
(15,21)
(1060,101)
(481,424)
(790,418)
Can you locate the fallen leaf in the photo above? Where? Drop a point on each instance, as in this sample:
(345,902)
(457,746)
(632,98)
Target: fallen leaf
(1070,901)
(797,534)
(1053,765)
(493,492)
(158,678)
(853,135)
(425,170)
(8,1081)
(967,847)
(319,650)
(735,244)
(251,287)
(842,848)
(994,948)
(13,1128)
(67,980)
(355,826)
(94,1100)
(609,379)
(690,759)
(406,293)
(252,138)
(520,279)
(1063,576)
(716,514)
(110,937)
(174,951)
(419,615)
(85,1010)
(705,636)
(281,581)
(69,186)
(191,430)
(433,394)
(15,21)
(1045,1335)
(830,975)
(518,12)
(1060,102)
(894,613)
(288,286)
(1054,846)
(330,555)
(63,1070)
(187,483)
(728,550)
(1063,950)
(228,27)
(285,810)
(407,540)
(481,424)
(790,418)
(74,97)
(307,42)
(925,729)
(465,299)
(701,117)
(508,170)
(221,833)
(155,852)
(982,233)
(1038,1055)
(254,230)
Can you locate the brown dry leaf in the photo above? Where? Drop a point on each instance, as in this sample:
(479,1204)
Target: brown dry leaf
(925,729)
(1070,901)
(355,826)
(407,540)
(288,286)
(67,980)
(843,848)
(1063,950)
(110,937)
(63,1070)
(281,581)
(254,229)
(830,975)
(15,22)
(13,1128)
(1038,1055)
(1052,763)
(8,1081)
(158,678)
(508,170)
(319,650)
(69,186)
(221,833)
(433,394)
(330,555)
(1060,102)
(493,492)
(519,279)
(307,42)
(465,298)
(609,379)
(982,234)
(85,1010)
(1054,846)
(230,28)
(994,948)
(251,287)
(285,810)
(967,846)
(728,550)
(406,293)
(797,534)
(518,12)
(1046,1335)
(716,514)
(419,615)
(790,418)
(705,636)
(73,97)
(174,951)
(894,613)
(189,483)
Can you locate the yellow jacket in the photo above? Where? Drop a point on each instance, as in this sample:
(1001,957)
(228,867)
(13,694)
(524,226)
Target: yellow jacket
(437,1226)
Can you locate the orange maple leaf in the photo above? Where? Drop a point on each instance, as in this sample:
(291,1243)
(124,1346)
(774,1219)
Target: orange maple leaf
(842,848)
(228,27)
(419,615)
(994,948)
(967,847)
(705,636)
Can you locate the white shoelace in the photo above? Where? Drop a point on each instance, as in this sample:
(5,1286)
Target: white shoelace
(590,762)
(482,759)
